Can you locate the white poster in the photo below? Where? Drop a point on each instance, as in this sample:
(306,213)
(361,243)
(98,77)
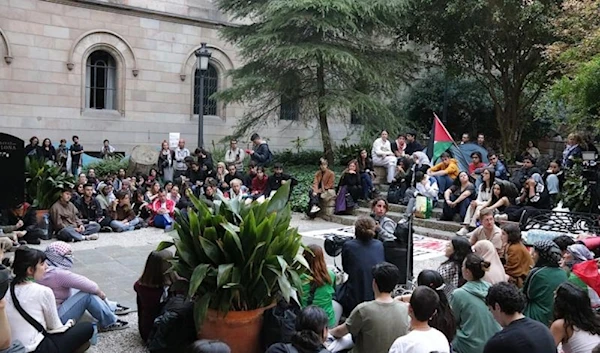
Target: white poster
(173,139)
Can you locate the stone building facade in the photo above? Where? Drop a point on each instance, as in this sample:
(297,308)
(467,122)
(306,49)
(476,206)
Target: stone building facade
(122,70)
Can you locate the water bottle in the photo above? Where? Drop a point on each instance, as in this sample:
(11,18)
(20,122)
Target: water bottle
(94,339)
(45,226)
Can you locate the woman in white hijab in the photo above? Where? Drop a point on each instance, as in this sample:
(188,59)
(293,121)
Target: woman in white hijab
(487,251)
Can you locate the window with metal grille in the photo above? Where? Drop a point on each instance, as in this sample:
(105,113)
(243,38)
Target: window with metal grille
(101,81)
(289,109)
(356,118)
(211,84)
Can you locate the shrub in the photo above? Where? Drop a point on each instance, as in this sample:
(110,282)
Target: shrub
(291,158)
(344,153)
(305,176)
(105,167)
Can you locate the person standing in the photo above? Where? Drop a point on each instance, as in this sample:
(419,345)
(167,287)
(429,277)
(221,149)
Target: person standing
(235,155)
(166,158)
(67,224)
(520,334)
(62,155)
(76,152)
(180,153)
(260,153)
(48,151)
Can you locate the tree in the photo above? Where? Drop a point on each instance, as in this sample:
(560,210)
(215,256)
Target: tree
(498,42)
(313,52)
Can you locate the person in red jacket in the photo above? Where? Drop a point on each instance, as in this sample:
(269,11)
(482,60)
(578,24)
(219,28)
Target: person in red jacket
(260,183)
(163,210)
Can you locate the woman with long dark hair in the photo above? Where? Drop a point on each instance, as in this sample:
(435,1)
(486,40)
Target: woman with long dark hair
(48,151)
(456,251)
(311,333)
(576,325)
(484,195)
(318,288)
(443,320)
(37,302)
(352,181)
(166,160)
(458,197)
(475,323)
(367,174)
(517,259)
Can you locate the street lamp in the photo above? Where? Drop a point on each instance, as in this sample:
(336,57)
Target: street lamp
(202,57)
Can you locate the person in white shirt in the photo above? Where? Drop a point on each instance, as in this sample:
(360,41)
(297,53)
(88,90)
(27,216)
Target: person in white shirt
(235,155)
(107,151)
(422,338)
(39,303)
(383,156)
(180,153)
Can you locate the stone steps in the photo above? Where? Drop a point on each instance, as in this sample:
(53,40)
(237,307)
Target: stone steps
(435,213)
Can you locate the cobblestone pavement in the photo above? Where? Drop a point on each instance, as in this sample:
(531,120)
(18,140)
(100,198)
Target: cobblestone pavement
(116,260)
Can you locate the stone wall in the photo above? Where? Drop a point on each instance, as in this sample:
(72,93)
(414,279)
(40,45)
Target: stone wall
(42,79)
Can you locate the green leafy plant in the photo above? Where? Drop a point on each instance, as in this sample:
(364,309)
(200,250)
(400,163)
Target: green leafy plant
(107,166)
(218,152)
(238,256)
(575,192)
(44,183)
(289,158)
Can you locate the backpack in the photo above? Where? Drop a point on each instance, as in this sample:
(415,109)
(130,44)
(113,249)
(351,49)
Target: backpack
(279,323)
(270,156)
(174,329)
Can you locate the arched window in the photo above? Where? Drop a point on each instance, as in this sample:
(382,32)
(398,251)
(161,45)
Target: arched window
(101,81)
(211,84)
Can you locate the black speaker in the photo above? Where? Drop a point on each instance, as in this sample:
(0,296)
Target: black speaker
(396,253)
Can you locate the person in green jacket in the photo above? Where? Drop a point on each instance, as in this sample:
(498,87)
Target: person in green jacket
(319,287)
(542,281)
(474,321)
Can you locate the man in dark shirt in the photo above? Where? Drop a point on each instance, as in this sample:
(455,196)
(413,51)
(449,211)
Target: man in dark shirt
(233,173)
(520,334)
(412,145)
(90,210)
(76,152)
(195,175)
(278,178)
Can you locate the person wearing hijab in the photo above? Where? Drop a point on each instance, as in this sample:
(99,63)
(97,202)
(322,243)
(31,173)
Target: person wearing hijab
(542,281)
(577,254)
(487,251)
(75,293)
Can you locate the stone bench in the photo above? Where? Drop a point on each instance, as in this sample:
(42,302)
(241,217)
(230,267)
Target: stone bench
(380,175)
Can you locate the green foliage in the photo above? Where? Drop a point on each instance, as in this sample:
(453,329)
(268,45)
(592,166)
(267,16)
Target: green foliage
(238,256)
(44,183)
(105,167)
(218,152)
(290,158)
(344,153)
(327,55)
(305,175)
(575,192)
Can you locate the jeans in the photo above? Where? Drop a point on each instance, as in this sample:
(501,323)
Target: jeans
(444,182)
(367,185)
(461,208)
(70,234)
(68,341)
(162,220)
(77,304)
(119,226)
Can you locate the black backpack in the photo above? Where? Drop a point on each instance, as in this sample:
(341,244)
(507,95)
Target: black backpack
(279,323)
(174,329)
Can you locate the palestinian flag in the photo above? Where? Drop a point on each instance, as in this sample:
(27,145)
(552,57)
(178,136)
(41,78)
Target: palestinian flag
(440,140)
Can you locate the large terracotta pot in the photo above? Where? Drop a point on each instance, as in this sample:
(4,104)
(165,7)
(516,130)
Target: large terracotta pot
(39,217)
(240,330)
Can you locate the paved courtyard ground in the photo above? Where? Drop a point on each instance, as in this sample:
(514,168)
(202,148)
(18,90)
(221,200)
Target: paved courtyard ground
(116,260)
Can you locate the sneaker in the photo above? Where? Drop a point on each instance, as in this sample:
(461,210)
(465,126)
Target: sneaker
(91,237)
(122,310)
(463,231)
(501,217)
(119,325)
(169,228)
(106,229)
(315,209)
(138,226)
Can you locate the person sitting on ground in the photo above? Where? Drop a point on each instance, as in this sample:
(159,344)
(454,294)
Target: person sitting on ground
(75,294)
(153,178)
(476,163)
(323,187)
(554,179)
(260,184)
(534,197)
(457,250)
(520,334)
(351,180)
(106,196)
(563,242)
(458,197)
(398,146)
(521,175)
(163,210)
(422,338)
(141,208)
(488,231)
(235,155)
(476,325)
(220,175)
(260,153)
(532,150)
(318,288)
(487,251)
(500,199)
(446,172)
(209,346)
(38,302)
(123,216)
(542,281)
(577,254)
(151,289)
(573,150)
(382,156)
(576,325)
(22,221)
(66,222)
(367,174)
(233,173)
(311,333)
(412,145)
(237,190)
(118,183)
(425,185)
(483,197)
(279,178)
(385,226)
(152,193)
(518,261)
(82,179)
(443,319)
(91,177)
(404,178)
(211,192)
(195,176)
(376,324)
(498,167)
(90,210)
(359,255)
(250,174)
(205,161)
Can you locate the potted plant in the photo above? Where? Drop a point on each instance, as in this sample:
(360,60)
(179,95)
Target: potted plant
(239,260)
(44,183)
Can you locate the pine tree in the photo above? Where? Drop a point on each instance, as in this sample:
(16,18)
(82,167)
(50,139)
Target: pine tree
(330,56)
